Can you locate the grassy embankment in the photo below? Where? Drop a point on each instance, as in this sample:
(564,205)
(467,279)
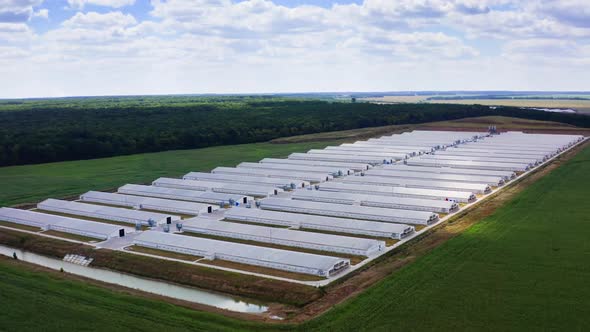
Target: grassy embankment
(196,276)
(523,267)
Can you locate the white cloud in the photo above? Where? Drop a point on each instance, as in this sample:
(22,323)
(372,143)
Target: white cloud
(17,11)
(42,13)
(189,46)
(79,4)
(94,20)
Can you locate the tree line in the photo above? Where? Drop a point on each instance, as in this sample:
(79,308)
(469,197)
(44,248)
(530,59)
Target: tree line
(56,132)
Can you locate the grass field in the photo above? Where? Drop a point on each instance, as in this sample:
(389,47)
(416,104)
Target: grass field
(525,267)
(23,184)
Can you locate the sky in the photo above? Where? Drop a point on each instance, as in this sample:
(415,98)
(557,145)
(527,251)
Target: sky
(56,48)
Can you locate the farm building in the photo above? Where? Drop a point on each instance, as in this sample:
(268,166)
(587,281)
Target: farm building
(489,180)
(285,237)
(285,260)
(373,145)
(460,152)
(506,175)
(353,150)
(106,212)
(453,195)
(513,167)
(147,203)
(184,195)
(334,171)
(357,167)
(321,223)
(283,183)
(76,226)
(382,155)
(340,158)
(305,176)
(416,204)
(478,188)
(255,190)
(520,159)
(348,211)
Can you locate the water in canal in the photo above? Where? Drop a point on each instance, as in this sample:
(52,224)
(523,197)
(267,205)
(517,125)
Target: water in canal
(146,285)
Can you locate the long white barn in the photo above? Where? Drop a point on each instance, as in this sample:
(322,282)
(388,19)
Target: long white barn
(256,190)
(148,203)
(285,237)
(285,260)
(458,196)
(69,225)
(183,194)
(106,212)
(506,175)
(322,223)
(478,188)
(283,183)
(306,176)
(357,167)
(334,171)
(346,211)
(489,180)
(415,204)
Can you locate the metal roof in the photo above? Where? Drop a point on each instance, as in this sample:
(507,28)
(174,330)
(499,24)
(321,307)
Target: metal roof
(490,180)
(361,212)
(303,220)
(468,164)
(432,184)
(449,170)
(350,165)
(181,194)
(276,256)
(267,234)
(298,168)
(307,176)
(388,155)
(103,229)
(339,158)
(246,179)
(149,202)
(351,198)
(222,187)
(461,196)
(102,212)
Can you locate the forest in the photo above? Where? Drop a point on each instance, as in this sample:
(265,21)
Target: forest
(48,130)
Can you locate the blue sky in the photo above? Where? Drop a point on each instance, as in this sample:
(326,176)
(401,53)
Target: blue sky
(106,47)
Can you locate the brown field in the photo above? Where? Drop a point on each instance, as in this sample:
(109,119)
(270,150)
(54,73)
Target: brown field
(163,253)
(582,106)
(505,124)
(19,226)
(71,236)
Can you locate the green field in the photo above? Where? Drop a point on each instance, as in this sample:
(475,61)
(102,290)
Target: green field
(523,268)
(30,183)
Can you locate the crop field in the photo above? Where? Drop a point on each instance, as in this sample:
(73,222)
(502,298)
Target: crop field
(582,106)
(506,123)
(30,183)
(523,267)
